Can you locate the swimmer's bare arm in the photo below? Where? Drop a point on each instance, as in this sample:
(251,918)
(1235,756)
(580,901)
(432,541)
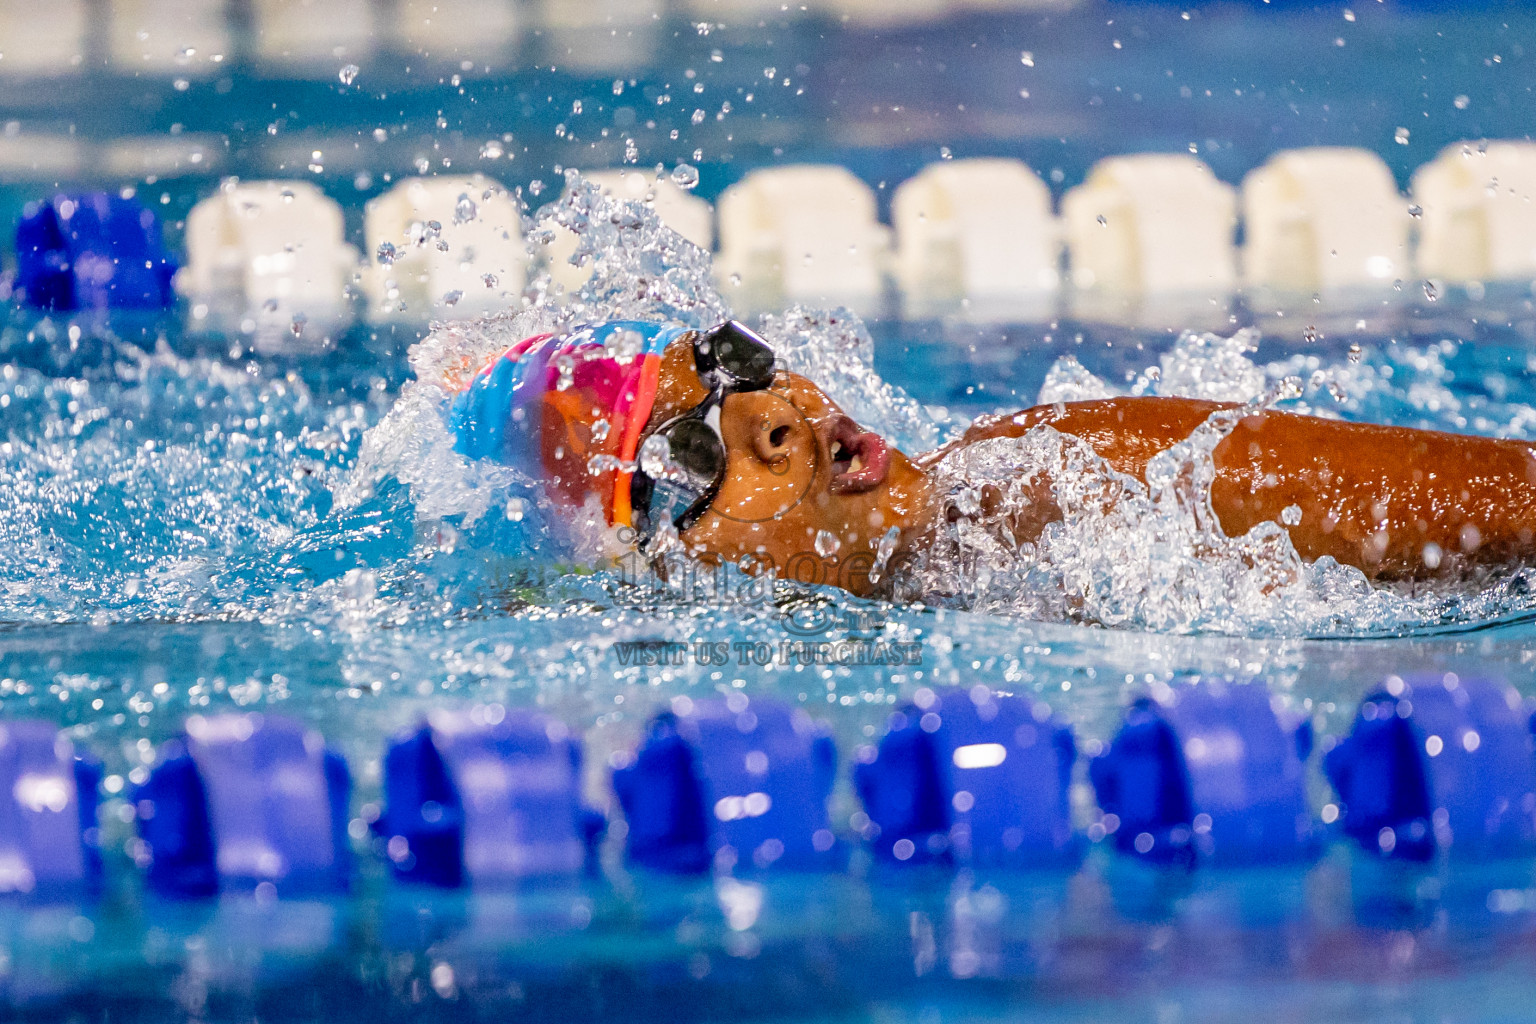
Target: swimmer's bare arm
(1392,501)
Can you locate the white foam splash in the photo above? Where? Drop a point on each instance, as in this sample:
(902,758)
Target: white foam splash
(1212,367)
(1070,381)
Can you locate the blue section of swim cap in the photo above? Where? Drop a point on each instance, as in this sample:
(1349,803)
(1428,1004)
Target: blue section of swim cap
(480,411)
(491,418)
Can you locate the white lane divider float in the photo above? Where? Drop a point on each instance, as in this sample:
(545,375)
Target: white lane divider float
(187,40)
(449,246)
(1478,221)
(271,258)
(1324,221)
(800,233)
(33,46)
(599,35)
(456,30)
(977,230)
(883,13)
(313,36)
(1151,232)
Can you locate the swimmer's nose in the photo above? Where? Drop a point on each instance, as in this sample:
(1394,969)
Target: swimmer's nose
(773,430)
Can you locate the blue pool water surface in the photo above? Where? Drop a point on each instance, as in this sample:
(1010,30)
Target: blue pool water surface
(186,526)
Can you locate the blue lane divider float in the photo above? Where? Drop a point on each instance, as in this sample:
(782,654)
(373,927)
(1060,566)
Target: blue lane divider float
(1205,773)
(91,251)
(734,780)
(1436,762)
(244,800)
(486,796)
(1208,773)
(971,776)
(48,836)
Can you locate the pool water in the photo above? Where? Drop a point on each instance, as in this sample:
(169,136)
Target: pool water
(191,527)
(187,532)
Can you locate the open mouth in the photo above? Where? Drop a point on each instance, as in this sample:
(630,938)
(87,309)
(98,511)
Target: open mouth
(860,458)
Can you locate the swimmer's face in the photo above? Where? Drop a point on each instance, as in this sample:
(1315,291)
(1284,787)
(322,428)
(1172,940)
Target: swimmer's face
(797,469)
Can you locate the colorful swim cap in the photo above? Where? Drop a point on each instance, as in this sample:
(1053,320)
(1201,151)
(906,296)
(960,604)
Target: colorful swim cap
(568,409)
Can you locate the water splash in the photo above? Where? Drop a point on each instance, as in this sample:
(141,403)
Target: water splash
(182,489)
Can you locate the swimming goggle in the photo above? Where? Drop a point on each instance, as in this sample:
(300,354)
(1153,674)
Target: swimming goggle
(730,359)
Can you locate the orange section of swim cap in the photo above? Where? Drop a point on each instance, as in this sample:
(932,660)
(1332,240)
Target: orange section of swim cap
(634,422)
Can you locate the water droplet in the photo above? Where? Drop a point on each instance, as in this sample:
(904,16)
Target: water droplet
(386,253)
(826,543)
(515,509)
(702,28)
(492,150)
(1102,221)
(770,72)
(380,135)
(883,552)
(1291,515)
(297,327)
(698,117)
(655,454)
(1415,210)
(489,279)
(423,232)
(348,74)
(452,298)
(967,501)
(600,430)
(1400,136)
(1027,59)
(535,187)
(576,107)
(1431,292)
(181,85)
(270,306)
(1311,333)
(287,195)
(945,153)
(685,176)
(567,371)
(465,210)
(1354,353)
(1462,102)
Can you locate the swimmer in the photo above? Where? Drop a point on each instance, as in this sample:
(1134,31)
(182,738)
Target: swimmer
(747,463)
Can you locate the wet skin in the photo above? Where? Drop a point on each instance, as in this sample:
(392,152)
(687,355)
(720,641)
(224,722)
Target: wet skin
(1393,501)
